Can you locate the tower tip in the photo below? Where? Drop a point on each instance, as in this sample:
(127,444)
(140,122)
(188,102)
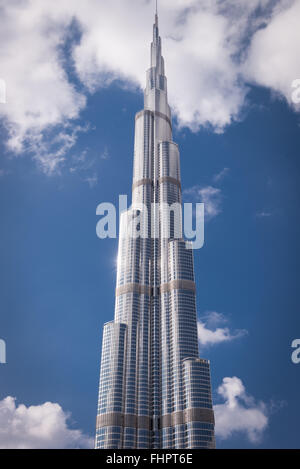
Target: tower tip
(156,13)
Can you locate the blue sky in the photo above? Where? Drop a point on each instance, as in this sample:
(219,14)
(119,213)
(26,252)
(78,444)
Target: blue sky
(57,278)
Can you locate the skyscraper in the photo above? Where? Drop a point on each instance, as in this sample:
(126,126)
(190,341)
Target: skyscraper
(155,391)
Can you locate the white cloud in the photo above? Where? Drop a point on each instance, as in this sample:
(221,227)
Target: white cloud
(239,413)
(212,318)
(208,46)
(210,196)
(210,334)
(39,95)
(37,427)
(274,55)
(207,90)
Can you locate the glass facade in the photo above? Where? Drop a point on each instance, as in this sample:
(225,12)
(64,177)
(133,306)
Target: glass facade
(154,390)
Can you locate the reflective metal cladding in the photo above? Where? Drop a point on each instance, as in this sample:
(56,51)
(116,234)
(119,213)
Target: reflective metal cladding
(155,391)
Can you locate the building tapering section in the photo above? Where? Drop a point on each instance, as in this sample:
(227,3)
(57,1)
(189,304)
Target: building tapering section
(155,391)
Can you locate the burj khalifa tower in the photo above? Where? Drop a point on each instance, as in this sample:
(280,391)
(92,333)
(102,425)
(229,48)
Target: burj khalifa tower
(155,391)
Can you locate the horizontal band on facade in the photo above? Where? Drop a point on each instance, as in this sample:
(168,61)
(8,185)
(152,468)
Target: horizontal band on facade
(178,285)
(188,416)
(171,180)
(147,181)
(133,288)
(141,182)
(117,419)
(153,113)
(164,288)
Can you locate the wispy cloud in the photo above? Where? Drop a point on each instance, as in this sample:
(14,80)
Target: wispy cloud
(50,149)
(3,172)
(210,334)
(210,196)
(81,162)
(221,175)
(263,214)
(42,426)
(105,154)
(92,180)
(240,413)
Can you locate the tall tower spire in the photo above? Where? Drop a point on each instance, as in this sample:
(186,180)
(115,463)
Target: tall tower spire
(156,98)
(154,389)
